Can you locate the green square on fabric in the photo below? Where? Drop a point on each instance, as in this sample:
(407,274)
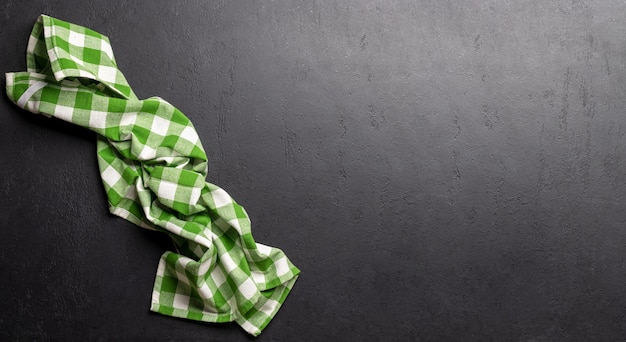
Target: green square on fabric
(116,105)
(107,154)
(169,284)
(62,44)
(180,207)
(91,55)
(179,118)
(188,178)
(93,33)
(167,310)
(129,175)
(150,106)
(50,95)
(170,141)
(141,134)
(114,197)
(42,62)
(84,100)
(124,89)
(194,314)
(67,63)
(135,209)
(192,227)
(201,219)
(112,131)
(59,23)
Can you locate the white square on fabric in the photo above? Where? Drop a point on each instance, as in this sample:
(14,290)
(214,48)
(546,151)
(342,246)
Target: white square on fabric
(47,30)
(269,307)
(173,228)
(128,119)
(205,266)
(282,268)
(147,153)
(220,197)
(52,55)
(263,249)
(248,288)
(107,73)
(205,292)
(126,124)
(160,126)
(77,39)
(86,74)
(258,277)
(110,176)
(218,276)
(106,48)
(167,190)
(235,224)
(181,302)
(77,60)
(33,106)
(189,134)
(97,119)
(32,42)
(247,326)
(63,112)
(228,262)
(195,195)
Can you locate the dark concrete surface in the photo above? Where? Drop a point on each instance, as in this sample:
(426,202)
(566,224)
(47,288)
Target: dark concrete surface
(439,170)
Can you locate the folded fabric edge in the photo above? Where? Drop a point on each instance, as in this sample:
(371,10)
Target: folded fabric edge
(253,322)
(261,317)
(31,65)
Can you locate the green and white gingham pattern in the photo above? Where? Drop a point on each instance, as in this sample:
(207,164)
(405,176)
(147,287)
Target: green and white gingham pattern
(153,168)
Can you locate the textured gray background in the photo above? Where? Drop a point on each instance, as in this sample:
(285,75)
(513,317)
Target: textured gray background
(439,170)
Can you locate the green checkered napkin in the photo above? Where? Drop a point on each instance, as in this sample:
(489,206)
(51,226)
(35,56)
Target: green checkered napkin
(153,169)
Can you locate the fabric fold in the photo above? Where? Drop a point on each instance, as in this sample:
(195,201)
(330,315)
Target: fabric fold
(154,169)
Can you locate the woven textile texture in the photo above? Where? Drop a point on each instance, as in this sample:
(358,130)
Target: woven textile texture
(154,170)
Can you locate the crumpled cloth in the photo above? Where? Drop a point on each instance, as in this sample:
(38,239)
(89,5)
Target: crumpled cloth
(153,169)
